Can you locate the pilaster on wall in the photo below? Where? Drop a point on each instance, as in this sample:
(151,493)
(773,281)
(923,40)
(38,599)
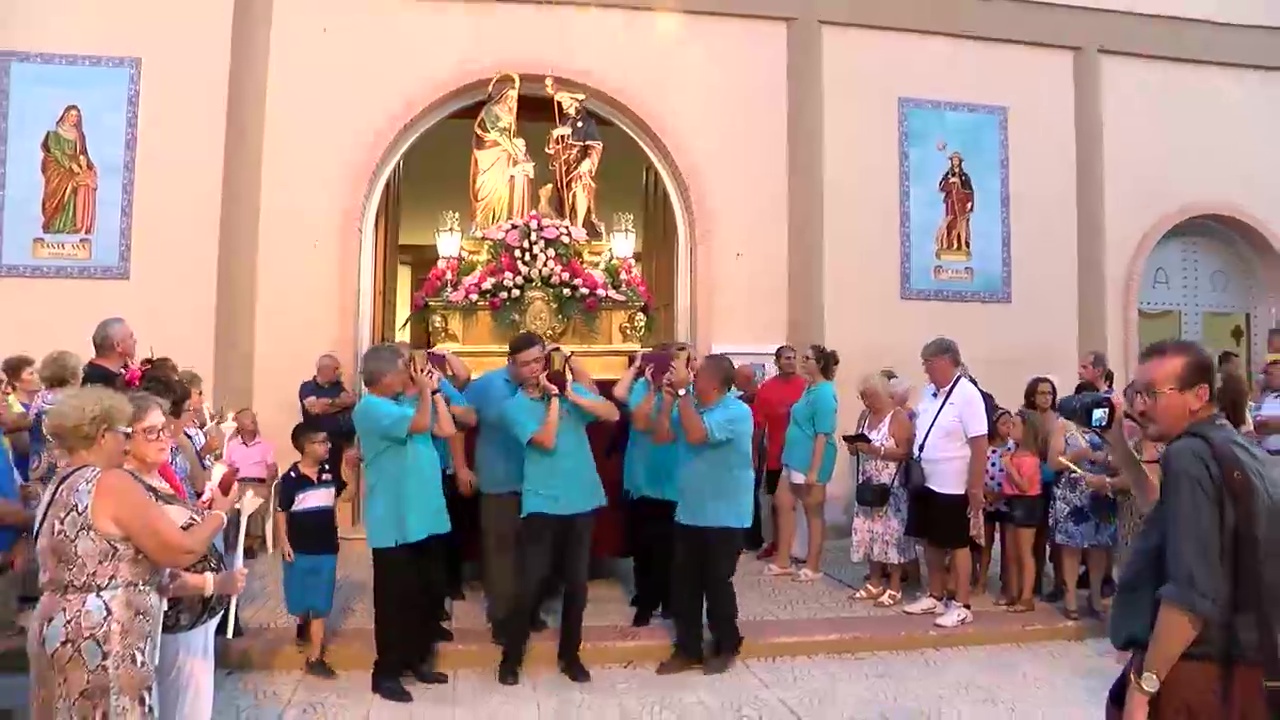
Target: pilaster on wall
(805,303)
(233,355)
(1091,241)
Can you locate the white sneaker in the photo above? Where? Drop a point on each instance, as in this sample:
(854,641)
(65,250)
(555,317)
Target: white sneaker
(955,617)
(924,605)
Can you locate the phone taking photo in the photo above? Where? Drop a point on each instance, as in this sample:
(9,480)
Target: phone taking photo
(557,362)
(438,360)
(658,363)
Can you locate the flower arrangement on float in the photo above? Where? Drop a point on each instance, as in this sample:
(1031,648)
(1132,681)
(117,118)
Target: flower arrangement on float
(533,252)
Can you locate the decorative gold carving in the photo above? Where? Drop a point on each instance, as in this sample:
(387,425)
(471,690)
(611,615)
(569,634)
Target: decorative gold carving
(634,327)
(539,315)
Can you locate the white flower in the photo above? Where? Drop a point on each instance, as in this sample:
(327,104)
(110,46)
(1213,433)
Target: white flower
(515,293)
(601,292)
(541,257)
(507,282)
(519,281)
(503,295)
(517,254)
(577,282)
(583,291)
(564,276)
(533,224)
(525,244)
(487,284)
(554,278)
(507,275)
(473,297)
(567,292)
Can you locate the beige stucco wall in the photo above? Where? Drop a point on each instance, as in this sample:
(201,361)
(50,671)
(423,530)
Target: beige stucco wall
(864,74)
(1179,140)
(344,77)
(170,298)
(1234,12)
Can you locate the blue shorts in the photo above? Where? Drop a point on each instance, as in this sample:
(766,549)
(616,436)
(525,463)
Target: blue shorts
(309,584)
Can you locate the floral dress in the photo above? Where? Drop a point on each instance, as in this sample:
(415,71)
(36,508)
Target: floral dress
(95,634)
(1080,517)
(879,534)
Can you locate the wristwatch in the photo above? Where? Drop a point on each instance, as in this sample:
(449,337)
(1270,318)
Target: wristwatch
(1147,683)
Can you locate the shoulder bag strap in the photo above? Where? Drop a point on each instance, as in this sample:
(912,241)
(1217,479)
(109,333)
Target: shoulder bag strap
(1244,589)
(941,406)
(50,496)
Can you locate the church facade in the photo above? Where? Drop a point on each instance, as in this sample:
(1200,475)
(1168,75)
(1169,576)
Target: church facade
(1031,178)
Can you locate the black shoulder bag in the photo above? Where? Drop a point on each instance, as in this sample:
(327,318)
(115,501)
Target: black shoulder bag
(872,494)
(912,470)
(1245,589)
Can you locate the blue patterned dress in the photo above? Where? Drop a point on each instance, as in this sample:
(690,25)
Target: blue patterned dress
(1080,517)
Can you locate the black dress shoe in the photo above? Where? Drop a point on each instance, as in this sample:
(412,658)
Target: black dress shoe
(440,633)
(717,664)
(391,690)
(642,619)
(445,615)
(508,673)
(575,670)
(538,624)
(427,675)
(457,595)
(677,664)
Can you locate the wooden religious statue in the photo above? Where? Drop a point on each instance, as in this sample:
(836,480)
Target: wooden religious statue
(574,147)
(952,241)
(501,171)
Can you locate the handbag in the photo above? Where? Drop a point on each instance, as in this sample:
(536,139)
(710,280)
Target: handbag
(912,471)
(869,494)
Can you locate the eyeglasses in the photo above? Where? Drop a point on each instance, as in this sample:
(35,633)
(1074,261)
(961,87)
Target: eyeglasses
(324,441)
(1150,394)
(152,433)
(126,431)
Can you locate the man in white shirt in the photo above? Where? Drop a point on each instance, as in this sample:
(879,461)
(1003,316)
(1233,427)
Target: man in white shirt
(951,442)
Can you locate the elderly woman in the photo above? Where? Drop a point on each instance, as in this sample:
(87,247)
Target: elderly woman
(878,535)
(183,456)
(198,594)
(103,543)
(59,371)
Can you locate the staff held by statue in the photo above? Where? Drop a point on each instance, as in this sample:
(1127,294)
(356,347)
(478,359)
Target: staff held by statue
(562,181)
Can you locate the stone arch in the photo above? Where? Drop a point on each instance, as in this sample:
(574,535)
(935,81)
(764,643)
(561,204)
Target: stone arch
(1259,241)
(599,101)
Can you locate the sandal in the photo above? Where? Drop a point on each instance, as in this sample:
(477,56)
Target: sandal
(1003,601)
(868,592)
(775,571)
(889,599)
(1071,614)
(807,575)
(1024,606)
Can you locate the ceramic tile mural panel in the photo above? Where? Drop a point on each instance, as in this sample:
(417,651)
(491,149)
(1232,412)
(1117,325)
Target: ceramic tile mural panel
(68,133)
(954,201)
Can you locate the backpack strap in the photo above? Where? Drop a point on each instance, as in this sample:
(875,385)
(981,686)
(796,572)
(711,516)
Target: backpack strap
(1242,561)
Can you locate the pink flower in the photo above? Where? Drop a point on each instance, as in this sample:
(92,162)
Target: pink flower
(513,238)
(493,233)
(577,233)
(457,296)
(133,376)
(591,304)
(550,233)
(495,303)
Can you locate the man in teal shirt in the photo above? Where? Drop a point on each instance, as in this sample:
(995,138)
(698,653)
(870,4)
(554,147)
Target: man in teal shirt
(406,519)
(499,465)
(561,492)
(715,485)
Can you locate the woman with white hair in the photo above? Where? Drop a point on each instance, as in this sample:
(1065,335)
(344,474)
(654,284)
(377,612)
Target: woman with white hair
(879,522)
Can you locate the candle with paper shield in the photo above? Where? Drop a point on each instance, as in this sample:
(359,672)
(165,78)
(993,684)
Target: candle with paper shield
(248,505)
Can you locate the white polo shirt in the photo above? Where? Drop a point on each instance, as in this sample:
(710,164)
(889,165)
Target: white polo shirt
(946,452)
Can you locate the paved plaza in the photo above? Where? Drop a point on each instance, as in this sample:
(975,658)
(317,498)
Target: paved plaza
(1045,680)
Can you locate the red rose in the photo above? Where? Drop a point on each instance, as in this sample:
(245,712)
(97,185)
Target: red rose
(591,304)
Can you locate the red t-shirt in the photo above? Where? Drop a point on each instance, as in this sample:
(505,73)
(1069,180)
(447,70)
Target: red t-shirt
(772,412)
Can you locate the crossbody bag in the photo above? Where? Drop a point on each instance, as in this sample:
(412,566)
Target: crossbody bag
(912,470)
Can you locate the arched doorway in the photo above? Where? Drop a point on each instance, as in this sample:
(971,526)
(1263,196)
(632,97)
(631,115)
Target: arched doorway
(655,195)
(1205,280)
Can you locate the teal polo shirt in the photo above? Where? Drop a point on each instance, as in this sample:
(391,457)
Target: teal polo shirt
(651,472)
(404,500)
(563,480)
(715,482)
(499,455)
(814,414)
(452,398)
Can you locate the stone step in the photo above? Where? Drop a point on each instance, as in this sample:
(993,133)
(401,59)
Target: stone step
(271,649)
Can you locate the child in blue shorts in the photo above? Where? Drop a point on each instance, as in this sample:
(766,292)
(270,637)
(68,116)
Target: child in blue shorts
(308,526)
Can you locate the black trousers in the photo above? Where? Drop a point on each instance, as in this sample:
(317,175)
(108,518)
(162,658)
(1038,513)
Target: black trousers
(554,549)
(702,571)
(464,518)
(768,480)
(406,579)
(651,525)
(499,560)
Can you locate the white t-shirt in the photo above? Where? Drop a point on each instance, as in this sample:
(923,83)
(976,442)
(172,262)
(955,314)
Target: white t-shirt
(946,452)
(1269,408)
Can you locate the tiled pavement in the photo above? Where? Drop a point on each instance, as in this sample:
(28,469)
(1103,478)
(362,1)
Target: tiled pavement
(1051,681)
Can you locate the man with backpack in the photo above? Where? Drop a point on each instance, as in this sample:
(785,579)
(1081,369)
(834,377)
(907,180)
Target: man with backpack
(1196,601)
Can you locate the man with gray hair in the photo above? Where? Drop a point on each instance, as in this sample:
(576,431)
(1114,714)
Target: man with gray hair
(114,346)
(1092,372)
(951,446)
